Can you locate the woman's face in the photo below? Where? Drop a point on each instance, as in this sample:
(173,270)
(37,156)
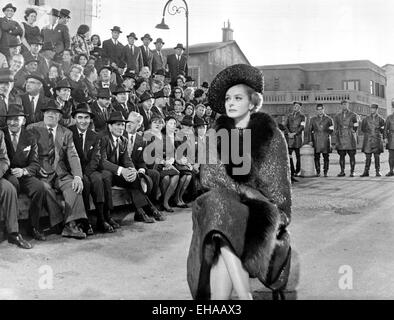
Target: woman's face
(208,111)
(180,83)
(143,87)
(157,125)
(32,18)
(95,40)
(200,111)
(171,125)
(83,61)
(237,102)
(178,94)
(53,73)
(189,111)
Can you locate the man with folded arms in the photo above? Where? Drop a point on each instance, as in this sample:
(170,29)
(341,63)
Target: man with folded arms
(22,150)
(60,167)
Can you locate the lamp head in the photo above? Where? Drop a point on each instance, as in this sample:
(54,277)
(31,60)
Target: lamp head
(162,25)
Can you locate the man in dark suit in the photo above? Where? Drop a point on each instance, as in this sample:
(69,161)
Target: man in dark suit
(121,99)
(22,150)
(146,101)
(9,205)
(9,28)
(6,79)
(112,49)
(87,143)
(101,109)
(47,54)
(135,149)
(177,63)
(61,167)
(56,33)
(160,107)
(132,55)
(119,170)
(147,54)
(104,80)
(159,61)
(33,100)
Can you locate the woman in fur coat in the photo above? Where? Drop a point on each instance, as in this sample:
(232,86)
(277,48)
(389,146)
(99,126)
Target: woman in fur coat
(239,225)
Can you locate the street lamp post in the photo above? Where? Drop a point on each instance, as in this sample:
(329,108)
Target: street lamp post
(173,10)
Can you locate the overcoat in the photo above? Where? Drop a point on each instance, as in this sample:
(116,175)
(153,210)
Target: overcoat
(345,126)
(321,129)
(372,127)
(295,123)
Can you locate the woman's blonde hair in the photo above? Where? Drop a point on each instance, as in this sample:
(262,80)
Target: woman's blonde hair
(255,98)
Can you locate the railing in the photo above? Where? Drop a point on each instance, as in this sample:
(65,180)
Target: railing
(321,96)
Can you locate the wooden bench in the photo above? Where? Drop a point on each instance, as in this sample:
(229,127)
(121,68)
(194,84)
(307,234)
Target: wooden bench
(120,197)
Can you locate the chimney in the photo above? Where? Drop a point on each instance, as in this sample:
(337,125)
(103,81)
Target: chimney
(227,32)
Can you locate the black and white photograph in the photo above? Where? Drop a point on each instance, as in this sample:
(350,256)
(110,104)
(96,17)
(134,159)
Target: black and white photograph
(196,150)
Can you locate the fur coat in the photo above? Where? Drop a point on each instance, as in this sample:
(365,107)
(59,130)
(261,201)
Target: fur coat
(254,229)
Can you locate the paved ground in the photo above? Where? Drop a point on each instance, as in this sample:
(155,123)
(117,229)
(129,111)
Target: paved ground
(336,222)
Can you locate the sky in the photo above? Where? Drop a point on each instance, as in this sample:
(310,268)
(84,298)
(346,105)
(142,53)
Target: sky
(267,31)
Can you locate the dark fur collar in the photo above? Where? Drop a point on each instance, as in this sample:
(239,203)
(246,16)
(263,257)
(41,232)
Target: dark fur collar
(262,126)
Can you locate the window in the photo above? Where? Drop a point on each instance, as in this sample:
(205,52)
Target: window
(371,87)
(194,72)
(382,91)
(276,83)
(352,85)
(376,89)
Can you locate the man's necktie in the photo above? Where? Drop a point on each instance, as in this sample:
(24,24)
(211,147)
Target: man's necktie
(51,147)
(32,105)
(148,115)
(161,58)
(81,140)
(117,149)
(130,145)
(14,141)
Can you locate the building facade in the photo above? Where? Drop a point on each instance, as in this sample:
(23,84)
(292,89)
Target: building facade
(362,83)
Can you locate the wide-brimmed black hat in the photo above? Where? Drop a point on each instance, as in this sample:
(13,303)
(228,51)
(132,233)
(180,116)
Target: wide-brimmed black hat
(189,79)
(6,75)
(198,122)
(65,13)
(104,93)
(132,34)
(83,108)
(129,74)
(229,77)
(36,76)
(105,67)
(374,106)
(160,40)
(37,40)
(9,6)
(147,35)
(63,83)
(120,89)
(52,105)
(159,94)
(54,12)
(187,121)
(14,42)
(48,46)
(205,85)
(116,28)
(179,46)
(297,102)
(80,95)
(145,96)
(15,110)
(116,116)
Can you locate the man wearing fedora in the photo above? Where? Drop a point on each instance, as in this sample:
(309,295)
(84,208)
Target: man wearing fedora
(159,61)
(6,79)
(121,101)
(60,166)
(159,108)
(112,49)
(22,150)
(9,208)
(147,54)
(295,125)
(62,97)
(9,28)
(56,33)
(87,144)
(146,103)
(34,51)
(135,148)
(64,16)
(177,63)
(119,170)
(14,47)
(101,109)
(33,100)
(132,55)
(104,79)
